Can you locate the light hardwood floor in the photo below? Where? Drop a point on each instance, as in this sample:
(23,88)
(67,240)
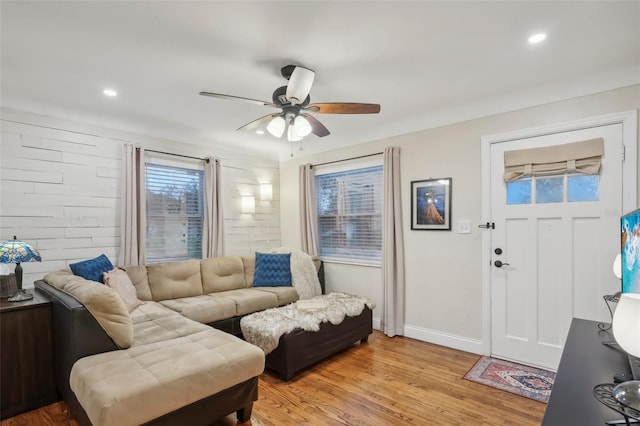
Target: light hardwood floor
(388,381)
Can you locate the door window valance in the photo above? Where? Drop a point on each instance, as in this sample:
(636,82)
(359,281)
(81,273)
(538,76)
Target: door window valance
(583,157)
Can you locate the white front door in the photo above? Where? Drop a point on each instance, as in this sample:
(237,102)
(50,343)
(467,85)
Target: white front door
(557,251)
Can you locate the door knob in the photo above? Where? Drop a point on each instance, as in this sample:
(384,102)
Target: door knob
(500,264)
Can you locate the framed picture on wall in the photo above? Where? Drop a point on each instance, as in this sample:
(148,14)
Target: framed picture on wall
(431,204)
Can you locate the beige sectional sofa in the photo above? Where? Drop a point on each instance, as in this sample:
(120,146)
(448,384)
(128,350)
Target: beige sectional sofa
(208,290)
(162,362)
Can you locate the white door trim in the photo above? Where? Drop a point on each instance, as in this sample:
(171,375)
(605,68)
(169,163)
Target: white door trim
(628,119)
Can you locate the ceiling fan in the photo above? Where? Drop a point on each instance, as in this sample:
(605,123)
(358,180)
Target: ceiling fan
(295,104)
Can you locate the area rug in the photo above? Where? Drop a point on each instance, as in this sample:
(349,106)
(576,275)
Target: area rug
(508,376)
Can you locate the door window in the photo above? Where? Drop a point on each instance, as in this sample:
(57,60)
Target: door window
(549,190)
(556,189)
(583,188)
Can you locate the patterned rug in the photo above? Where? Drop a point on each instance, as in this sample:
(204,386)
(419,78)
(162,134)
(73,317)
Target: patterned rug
(508,376)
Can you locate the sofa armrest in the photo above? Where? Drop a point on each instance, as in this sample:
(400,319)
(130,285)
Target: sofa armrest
(76,334)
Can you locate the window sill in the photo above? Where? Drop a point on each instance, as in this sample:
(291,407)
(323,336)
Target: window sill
(351,262)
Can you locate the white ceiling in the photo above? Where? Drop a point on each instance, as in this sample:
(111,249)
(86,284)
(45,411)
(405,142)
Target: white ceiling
(427,63)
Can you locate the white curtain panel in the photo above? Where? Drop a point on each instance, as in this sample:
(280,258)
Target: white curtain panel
(308,214)
(213,226)
(392,321)
(133,216)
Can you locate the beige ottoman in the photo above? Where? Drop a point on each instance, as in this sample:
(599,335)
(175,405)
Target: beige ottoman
(300,334)
(146,382)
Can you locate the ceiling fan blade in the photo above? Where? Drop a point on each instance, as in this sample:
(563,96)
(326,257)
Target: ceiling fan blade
(299,85)
(260,121)
(317,128)
(344,108)
(238,98)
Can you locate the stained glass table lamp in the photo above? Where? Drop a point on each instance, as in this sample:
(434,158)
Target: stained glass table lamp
(14,251)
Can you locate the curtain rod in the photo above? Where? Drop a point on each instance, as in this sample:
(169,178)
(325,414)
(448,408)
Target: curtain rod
(176,155)
(347,159)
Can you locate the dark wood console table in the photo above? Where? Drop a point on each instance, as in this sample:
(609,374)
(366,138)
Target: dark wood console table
(26,364)
(585,363)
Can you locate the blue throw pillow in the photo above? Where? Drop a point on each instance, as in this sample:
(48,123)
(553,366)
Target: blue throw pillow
(272,270)
(92,269)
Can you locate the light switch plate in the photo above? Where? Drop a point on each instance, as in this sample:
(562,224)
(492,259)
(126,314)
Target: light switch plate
(464,227)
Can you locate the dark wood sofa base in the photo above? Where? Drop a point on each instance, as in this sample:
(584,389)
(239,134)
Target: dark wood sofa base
(229,325)
(300,349)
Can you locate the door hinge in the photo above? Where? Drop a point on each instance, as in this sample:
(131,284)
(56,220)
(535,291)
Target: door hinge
(622,151)
(488,225)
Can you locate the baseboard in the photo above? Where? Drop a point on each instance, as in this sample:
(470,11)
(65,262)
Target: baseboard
(443,339)
(439,338)
(376,323)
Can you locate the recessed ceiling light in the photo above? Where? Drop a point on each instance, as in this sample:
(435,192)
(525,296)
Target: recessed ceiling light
(110,93)
(259,132)
(537,38)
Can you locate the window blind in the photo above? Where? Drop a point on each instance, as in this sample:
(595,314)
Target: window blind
(579,157)
(349,205)
(174,213)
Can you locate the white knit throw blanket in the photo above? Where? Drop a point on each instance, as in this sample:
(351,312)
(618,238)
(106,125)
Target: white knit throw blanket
(263,329)
(303,273)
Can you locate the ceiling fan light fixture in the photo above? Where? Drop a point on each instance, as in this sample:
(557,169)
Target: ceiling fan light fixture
(295,106)
(299,85)
(292,134)
(276,126)
(302,126)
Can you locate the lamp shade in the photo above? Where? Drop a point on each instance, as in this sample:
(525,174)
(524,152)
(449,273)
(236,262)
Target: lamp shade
(299,85)
(617,266)
(302,126)
(292,135)
(626,323)
(276,126)
(266,192)
(14,251)
(248,204)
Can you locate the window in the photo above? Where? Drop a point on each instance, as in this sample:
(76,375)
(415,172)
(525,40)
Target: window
(572,188)
(174,213)
(554,174)
(349,207)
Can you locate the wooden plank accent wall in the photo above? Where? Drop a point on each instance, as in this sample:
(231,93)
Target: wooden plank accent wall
(60,191)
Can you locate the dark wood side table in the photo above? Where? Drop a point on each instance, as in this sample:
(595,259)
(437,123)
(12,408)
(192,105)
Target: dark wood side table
(26,360)
(585,363)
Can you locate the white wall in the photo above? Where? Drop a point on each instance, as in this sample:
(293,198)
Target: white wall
(60,185)
(443,269)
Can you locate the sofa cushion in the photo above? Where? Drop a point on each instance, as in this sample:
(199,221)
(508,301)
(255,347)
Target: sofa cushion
(174,280)
(153,322)
(272,270)
(92,269)
(144,382)
(118,280)
(304,273)
(222,274)
(249,264)
(249,300)
(285,295)
(204,309)
(101,301)
(138,275)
